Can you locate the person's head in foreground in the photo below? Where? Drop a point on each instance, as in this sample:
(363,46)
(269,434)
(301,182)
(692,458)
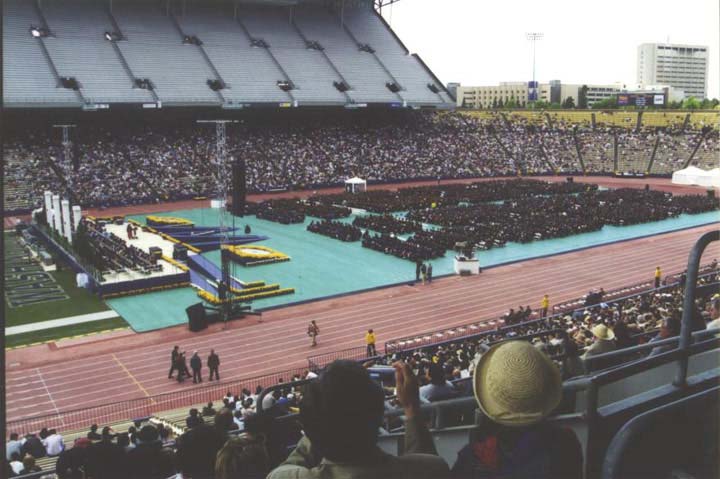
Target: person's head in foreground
(342,412)
(242,457)
(517,387)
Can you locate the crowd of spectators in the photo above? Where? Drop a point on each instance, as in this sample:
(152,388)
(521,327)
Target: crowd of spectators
(233,440)
(145,161)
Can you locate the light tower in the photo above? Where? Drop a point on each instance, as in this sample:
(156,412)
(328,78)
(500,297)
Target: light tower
(67,165)
(534,37)
(221,182)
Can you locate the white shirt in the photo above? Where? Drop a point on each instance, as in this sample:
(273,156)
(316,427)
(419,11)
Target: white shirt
(54,444)
(240,423)
(17,466)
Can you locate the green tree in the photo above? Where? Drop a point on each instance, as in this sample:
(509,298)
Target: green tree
(569,103)
(605,104)
(500,103)
(582,97)
(494,103)
(691,103)
(542,104)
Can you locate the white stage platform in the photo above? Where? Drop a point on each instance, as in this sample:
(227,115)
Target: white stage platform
(145,240)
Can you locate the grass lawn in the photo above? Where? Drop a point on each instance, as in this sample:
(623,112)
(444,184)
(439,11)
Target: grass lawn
(46,335)
(80,301)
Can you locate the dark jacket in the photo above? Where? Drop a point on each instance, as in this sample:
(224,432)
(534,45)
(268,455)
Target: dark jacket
(150,461)
(213,361)
(539,452)
(193,421)
(197,449)
(106,460)
(70,463)
(33,446)
(195,362)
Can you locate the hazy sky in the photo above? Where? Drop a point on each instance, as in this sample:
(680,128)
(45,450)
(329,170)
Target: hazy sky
(483,42)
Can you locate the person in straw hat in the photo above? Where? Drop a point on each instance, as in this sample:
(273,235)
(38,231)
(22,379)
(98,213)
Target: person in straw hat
(517,387)
(603,341)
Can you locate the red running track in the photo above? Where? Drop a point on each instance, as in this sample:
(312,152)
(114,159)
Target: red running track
(75,374)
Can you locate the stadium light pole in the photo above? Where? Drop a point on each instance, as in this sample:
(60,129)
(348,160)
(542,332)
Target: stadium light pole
(221,179)
(67,165)
(534,37)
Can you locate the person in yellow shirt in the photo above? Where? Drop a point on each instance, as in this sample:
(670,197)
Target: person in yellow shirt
(370,341)
(658,275)
(544,305)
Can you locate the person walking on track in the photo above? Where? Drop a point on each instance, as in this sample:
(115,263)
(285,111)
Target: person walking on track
(196,366)
(313,332)
(658,276)
(370,341)
(173,361)
(213,363)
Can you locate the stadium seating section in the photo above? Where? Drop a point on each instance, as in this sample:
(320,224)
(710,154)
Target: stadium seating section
(207,54)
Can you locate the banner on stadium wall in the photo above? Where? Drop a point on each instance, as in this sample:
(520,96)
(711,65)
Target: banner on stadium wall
(532,91)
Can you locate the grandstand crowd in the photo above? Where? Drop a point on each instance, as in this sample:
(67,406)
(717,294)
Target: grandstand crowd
(132,164)
(341,413)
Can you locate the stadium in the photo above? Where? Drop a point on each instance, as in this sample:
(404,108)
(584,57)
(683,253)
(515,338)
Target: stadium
(346,273)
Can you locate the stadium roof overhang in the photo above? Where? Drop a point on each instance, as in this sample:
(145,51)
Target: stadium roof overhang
(379,4)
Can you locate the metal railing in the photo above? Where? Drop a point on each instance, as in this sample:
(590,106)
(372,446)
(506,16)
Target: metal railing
(143,407)
(628,434)
(482,327)
(319,361)
(616,294)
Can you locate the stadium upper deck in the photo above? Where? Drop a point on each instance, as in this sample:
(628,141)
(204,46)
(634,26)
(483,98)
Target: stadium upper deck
(79,53)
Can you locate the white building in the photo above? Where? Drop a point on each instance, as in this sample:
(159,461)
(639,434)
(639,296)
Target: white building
(683,67)
(553,92)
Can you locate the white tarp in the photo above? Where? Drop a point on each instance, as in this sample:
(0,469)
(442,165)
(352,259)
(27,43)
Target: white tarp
(693,175)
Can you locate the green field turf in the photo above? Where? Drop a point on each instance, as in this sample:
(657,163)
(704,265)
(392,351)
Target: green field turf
(80,301)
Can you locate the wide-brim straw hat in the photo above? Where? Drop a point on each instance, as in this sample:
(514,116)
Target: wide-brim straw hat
(516,385)
(601,331)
